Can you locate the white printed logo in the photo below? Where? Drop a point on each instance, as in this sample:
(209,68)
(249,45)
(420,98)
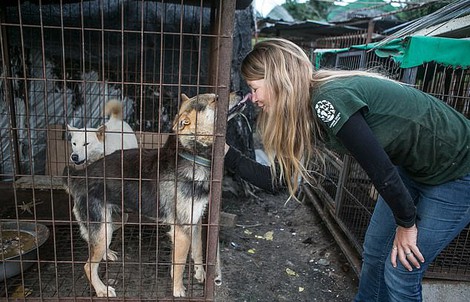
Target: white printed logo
(325,111)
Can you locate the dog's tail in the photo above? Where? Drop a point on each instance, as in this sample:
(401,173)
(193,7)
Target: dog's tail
(113,108)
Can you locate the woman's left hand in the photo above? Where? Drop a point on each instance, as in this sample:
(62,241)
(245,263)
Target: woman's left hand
(405,248)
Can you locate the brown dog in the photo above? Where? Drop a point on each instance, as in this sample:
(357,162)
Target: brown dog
(173,184)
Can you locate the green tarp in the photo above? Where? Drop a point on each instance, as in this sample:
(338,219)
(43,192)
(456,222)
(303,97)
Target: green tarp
(414,51)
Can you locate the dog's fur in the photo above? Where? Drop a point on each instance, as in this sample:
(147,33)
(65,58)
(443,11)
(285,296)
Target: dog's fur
(173,186)
(91,144)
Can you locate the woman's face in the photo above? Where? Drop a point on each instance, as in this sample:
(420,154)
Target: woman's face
(259,94)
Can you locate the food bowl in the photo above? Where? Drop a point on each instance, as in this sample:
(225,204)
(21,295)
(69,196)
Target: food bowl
(18,244)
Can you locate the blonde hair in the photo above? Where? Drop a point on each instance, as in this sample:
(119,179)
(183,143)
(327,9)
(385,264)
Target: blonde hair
(289,131)
(324,75)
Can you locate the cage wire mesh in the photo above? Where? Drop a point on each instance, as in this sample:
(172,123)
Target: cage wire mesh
(351,197)
(62,61)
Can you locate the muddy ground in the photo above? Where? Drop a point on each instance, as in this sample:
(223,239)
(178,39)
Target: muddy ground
(280,251)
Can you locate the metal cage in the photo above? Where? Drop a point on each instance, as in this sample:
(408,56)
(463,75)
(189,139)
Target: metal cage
(61,61)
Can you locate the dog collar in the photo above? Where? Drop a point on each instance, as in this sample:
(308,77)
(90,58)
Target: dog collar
(197,159)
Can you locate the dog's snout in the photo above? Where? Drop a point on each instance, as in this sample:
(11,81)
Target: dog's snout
(74,157)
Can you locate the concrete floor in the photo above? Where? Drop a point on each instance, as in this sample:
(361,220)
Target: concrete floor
(445,291)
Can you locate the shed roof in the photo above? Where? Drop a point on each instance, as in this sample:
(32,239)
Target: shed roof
(307,30)
(240,4)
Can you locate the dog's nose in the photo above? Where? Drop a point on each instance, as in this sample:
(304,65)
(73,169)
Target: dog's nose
(74,158)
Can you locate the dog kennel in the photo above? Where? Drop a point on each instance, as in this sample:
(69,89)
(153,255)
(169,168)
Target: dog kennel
(346,197)
(61,61)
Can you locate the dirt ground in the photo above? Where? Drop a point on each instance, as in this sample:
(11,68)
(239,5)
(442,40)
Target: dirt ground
(280,251)
(277,251)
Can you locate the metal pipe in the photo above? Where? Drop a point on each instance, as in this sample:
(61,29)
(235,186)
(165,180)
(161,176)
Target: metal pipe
(222,54)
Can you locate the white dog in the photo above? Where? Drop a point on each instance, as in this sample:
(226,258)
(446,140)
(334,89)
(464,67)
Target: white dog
(91,144)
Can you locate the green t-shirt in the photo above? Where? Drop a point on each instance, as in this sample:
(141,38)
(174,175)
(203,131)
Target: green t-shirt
(420,133)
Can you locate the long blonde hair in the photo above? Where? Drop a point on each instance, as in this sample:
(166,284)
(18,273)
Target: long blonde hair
(289,132)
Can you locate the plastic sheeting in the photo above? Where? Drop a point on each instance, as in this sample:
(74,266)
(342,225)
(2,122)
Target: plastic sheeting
(414,51)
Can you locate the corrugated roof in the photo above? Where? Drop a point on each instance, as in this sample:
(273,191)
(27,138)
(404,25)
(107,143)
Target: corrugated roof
(240,4)
(437,19)
(307,30)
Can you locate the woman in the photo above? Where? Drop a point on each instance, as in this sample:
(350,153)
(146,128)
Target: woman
(414,148)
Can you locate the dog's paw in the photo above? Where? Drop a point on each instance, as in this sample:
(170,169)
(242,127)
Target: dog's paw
(179,291)
(110,255)
(108,291)
(199,273)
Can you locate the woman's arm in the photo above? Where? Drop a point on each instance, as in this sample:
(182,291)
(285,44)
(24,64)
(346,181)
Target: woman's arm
(249,169)
(358,138)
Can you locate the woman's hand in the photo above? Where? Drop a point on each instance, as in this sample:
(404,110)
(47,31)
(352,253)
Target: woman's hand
(405,248)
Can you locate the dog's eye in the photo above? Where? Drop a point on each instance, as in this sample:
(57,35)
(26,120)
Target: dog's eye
(184,123)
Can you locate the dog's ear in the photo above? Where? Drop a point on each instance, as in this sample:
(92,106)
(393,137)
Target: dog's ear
(184,98)
(101,133)
(185,101)
(69,131)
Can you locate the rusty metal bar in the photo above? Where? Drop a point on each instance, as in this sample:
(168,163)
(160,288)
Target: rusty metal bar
(225,16)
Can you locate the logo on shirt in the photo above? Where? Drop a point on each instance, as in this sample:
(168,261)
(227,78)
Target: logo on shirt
(325,111)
